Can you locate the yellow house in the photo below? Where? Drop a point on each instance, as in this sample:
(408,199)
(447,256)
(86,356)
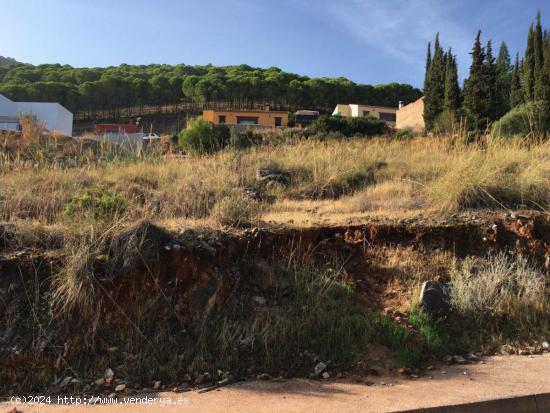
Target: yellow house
(412,116)
(247,117)
(386,114)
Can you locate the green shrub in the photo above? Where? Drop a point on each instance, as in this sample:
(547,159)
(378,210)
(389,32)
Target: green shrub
(527,119)
(96,203)
(402,134)
(244,139)
(202,137)
(367,126)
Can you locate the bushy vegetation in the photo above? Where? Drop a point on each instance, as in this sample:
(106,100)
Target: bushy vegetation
(96,203)
(202,137)
(528,119)
(367,126)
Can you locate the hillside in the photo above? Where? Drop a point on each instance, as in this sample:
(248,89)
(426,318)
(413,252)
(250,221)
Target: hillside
(112,88)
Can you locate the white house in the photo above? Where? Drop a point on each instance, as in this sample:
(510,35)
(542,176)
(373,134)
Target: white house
(55,117)
(386,114)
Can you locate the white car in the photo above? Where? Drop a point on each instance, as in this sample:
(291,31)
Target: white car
(151,136)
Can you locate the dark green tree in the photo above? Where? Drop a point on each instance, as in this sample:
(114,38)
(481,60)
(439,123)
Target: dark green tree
(434,95)
(528,67)
(538,88)
(504,71)
(452,89)
(476,96)
(516,92)
(490,79)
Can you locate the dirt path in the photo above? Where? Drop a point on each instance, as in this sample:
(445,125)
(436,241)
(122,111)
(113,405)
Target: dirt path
(498,377)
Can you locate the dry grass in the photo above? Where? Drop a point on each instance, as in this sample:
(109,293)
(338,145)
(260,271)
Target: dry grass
(501,287)
(340,178)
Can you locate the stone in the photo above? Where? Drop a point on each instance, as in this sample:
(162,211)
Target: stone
(326,375)
(320,368)
(459,360)
(434,299)
(108,376)
(259,300)
(267,175)
(120,388)
(546,345)
(156,385)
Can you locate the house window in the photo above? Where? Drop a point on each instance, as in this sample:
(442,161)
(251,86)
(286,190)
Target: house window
(388,117)
(247,120)
(221,119)
(278,121)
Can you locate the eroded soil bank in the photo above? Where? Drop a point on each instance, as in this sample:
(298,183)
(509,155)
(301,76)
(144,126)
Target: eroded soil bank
(199,306)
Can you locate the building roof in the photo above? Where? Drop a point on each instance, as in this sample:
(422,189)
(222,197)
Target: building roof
(246,111)
(366,105)
(307,112)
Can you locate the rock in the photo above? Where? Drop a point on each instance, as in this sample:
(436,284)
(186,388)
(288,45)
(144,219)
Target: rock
(112,395)
(156,385)
(320,368)
(546,345)
(434,299)
(326,375)
(264,376)
(109,375)
(120,388)
(459,360)
(259,300)
(66,381)
(267,175)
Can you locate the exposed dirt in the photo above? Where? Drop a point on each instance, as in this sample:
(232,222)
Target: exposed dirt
(195,271)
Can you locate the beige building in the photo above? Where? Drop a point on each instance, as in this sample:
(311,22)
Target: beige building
(412,116)
(388,115)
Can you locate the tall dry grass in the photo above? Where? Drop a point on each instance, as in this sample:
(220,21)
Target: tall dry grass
(379,174)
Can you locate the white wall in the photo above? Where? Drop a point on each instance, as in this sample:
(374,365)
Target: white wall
(55,116)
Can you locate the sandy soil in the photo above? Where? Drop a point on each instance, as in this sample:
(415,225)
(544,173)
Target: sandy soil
(497,377)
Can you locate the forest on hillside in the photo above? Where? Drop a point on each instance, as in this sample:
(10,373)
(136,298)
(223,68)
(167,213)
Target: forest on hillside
(90,89)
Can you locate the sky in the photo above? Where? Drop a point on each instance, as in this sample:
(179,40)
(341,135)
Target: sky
(367,41)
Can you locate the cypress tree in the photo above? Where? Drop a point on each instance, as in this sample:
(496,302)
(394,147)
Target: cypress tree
(545,77)
(428,66)
(490,76)
(516,93)
(452,89)
(538,40)
(528,67)
(434,90)
(504,70)
(475,90)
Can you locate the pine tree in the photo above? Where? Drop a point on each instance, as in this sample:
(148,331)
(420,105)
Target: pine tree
(452,89)
(475,90)
(504,77)
(528,67)
(434,90)
(516,93)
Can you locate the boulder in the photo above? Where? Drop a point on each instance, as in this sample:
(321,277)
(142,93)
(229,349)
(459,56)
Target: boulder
(434,299)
